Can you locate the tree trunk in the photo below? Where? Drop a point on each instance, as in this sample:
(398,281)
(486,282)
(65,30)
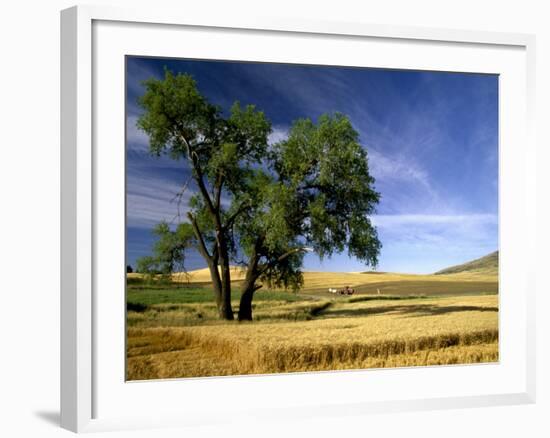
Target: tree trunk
(226,311)
(247,294)
(249,286)
(224,308)
(222,253)
(223,298)
(252,274)
(222,293)
(245,305)
(216,285)
(221,285)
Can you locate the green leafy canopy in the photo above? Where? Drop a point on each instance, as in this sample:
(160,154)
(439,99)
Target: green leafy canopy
(312,191)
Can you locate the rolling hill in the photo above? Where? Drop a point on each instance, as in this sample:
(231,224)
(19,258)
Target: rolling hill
(484,265)
(478,276)
(459,282)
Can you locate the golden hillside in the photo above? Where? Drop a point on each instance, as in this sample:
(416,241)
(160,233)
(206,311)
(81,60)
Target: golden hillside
(370,282)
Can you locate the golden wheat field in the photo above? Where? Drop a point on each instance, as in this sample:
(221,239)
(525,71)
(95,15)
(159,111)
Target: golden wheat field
(321,280)
(311,333)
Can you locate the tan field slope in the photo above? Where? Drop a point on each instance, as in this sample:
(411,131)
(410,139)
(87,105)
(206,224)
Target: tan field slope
(487,265)
(314,279)
(477,276)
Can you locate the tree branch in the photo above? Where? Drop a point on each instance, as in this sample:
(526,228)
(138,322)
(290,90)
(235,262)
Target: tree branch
(251,271)
(199,175)
(229,221)
(202,245)
(214,210)
(218,191)
(215,255)
(281,258)
(200,183)
(179,198)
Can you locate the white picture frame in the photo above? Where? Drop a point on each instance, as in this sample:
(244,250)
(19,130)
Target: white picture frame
(85,377)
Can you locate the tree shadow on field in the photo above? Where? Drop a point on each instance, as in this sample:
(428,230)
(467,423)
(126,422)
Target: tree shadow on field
(414,310)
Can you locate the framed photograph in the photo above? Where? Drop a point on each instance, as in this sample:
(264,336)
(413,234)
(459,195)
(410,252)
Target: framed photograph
(280,218)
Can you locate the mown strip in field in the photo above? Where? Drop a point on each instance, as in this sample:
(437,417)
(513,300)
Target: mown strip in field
(173,349)
(378,334)
(423,287)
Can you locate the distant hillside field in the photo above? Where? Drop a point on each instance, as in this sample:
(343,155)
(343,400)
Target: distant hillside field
(485,265)
(475,277)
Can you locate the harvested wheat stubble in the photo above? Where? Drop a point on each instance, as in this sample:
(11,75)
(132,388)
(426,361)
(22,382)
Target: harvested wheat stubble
(194,362)
(380,334)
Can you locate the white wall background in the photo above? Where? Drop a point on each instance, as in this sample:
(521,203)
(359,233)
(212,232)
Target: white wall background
(29,218)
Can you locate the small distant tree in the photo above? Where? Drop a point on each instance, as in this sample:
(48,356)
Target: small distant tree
(129,269)
(310,192)
(168,252)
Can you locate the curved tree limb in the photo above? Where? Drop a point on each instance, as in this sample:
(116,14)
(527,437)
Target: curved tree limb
(202,245)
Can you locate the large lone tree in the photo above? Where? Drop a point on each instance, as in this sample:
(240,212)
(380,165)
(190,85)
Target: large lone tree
(310,192)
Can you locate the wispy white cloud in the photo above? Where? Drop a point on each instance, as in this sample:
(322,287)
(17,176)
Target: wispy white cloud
(140,72)
(432,153)
(136,139)
(435,241)
(383,221)
(279,133)
(424,243)
(401,169)
(432,233)
(150,200)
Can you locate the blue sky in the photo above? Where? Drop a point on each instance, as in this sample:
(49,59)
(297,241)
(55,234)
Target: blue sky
(431,138)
